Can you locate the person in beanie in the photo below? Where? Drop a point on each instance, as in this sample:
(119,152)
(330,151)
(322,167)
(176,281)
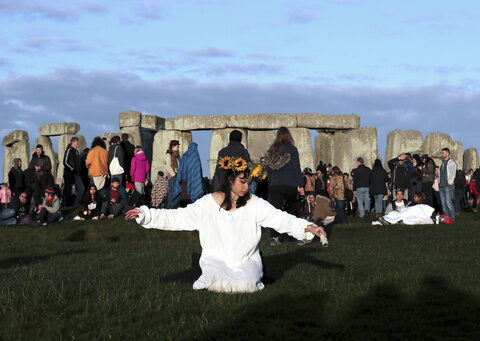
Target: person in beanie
(16,178)
(134,198)
(448,170)
(49,211)
(234,148)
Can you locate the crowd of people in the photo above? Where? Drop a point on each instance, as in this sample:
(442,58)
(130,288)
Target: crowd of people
(105,184)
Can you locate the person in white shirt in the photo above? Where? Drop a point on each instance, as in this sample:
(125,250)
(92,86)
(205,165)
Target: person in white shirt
(230,223)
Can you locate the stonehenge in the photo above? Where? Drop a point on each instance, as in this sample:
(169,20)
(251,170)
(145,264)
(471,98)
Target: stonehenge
(340,139)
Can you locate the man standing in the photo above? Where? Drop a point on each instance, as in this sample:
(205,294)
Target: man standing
(448,170)
(116,159)
(362,179)
(400,167)
(16,178)
(41,166)
(234,148)
(71,174)
(129,150)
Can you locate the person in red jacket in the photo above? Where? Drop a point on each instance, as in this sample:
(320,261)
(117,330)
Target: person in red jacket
(139,170)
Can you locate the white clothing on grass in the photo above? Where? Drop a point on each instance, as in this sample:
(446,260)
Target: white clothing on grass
(230,259)
(413,215)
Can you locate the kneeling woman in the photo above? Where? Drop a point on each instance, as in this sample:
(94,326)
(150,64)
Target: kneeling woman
(229,224)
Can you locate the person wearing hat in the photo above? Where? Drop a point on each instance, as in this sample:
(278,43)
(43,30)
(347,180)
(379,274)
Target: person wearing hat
(172,159)
(49,211)
(134,198)
(234,148)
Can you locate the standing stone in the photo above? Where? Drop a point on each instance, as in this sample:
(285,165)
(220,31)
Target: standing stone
(435,142)
(456,153)
(220,138)
(403,141)
(327,122)
(303,142)
(15,136)
(56,129)
(18,150)
(109,136)
(258,142)
(152,122)
(262,121)
(470,159)
(63,142)
(46,142)
(343,148)
(189,122)
(134,135)
(129,119)
(160,145)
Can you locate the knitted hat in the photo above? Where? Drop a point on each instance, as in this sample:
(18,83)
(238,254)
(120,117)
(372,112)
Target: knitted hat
(130,186)
(50,190)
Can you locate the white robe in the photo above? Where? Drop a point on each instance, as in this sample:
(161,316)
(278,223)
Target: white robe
(230,259)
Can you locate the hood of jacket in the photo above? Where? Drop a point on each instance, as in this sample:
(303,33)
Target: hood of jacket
(141,156)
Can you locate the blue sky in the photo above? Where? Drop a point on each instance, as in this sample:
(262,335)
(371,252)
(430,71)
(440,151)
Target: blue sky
(405,65)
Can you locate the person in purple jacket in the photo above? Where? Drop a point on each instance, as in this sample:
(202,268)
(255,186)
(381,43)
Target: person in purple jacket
(139,170)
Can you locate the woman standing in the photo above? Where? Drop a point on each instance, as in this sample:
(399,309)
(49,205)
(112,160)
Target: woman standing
(229,224)
(172,159)
(139,170)
(379,186)
(285,175)
(338,183)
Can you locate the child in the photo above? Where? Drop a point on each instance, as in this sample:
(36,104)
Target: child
(5,196)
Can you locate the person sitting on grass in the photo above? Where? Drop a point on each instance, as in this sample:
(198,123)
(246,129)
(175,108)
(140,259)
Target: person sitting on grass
(92,205)
(323,214)
(398,204)
(134,198)
(115,202)
(159,191)
(49,211)
(229,222)
(418,199)
(24,207)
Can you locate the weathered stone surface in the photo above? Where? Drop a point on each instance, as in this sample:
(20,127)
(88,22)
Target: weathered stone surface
(63,142)
(456,153)
(189,122)
(402,141)
(262,121)
(160,145)
(109,136)
(258,143)
(129,119)
(323,121)
(470,159)
(18,150)
(152,122)
(15,136)
(343,148)
(303,142)
(46,142)
(134,135)
(57,129)
(435,142)
(221,138)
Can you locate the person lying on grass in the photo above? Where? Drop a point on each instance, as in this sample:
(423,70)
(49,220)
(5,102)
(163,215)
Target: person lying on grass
(229,223)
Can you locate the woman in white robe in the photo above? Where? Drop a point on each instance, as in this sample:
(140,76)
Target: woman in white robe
(230,230)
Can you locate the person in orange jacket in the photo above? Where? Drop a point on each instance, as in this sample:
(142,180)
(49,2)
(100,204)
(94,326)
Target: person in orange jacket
(97,163)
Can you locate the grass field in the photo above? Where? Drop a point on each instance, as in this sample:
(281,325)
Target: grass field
(115,280)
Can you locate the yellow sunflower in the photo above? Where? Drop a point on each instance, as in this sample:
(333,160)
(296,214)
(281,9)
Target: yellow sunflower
(240,164)
(264,176)
(225,163)
(256,171)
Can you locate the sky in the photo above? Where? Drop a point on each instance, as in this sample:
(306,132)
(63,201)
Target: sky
(397,64)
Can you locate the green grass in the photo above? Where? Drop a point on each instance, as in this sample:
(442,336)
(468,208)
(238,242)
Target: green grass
(115,280)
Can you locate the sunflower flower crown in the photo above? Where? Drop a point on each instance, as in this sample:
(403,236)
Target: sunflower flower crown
(239,164)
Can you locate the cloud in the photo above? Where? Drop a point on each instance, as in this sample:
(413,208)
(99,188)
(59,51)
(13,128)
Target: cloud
(33,10)
(94,100)
(209,52)
(40,45)
(146,11)
(250,69)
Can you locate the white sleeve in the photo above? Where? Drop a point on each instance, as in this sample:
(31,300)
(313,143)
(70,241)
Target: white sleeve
(282,222)
(179,219)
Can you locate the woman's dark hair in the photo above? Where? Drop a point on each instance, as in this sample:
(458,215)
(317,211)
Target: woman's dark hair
(88,196)
(377,163)
(97,141)
(283,139)
(337,171)
(226,188)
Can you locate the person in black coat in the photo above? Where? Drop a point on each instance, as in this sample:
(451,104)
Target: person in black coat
(134,198)
(379,186)
(234,148)
(362,179)
(129,153)
(92,205)
(400,167)
(16,178)
(71,174)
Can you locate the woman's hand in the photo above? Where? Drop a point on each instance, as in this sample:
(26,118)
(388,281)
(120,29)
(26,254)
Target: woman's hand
(132,214)
(316,230)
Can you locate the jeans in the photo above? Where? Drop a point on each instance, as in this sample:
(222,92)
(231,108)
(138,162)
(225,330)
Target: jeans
(378,203)
(7,217)
(46,217)
(446,196)
(140,187)
(340,208)
(459,196)
(363,199)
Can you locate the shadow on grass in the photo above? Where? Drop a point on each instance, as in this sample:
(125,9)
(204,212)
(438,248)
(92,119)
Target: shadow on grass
(436,311)
(19,261)
(273,266)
